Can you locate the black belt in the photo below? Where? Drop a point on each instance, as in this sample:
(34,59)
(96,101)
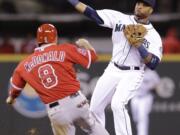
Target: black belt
(51,105)
(127,67)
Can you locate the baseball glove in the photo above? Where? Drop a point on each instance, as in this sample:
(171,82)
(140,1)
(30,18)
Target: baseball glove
(135,34)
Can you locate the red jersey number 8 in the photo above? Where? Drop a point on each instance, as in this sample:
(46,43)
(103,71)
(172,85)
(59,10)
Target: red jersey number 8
(47,76)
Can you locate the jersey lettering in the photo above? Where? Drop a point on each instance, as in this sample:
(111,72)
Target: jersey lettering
(47,75)
(82,51)
(146,43)
(58,56)
(119,27)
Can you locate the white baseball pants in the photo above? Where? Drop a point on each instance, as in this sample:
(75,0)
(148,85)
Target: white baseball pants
(70,111)
(117,87)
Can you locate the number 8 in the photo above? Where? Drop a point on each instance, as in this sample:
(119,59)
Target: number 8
(48,76)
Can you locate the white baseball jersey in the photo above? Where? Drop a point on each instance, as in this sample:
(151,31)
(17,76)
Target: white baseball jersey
(123,53)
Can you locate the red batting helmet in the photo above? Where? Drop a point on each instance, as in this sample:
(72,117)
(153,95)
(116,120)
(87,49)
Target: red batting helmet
(46,33)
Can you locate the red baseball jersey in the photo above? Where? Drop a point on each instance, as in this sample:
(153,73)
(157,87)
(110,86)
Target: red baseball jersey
(50,71)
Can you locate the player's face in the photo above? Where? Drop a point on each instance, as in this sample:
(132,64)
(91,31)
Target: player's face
(142,10)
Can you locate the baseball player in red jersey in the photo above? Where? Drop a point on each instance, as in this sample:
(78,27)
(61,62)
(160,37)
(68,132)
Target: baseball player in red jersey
(49,70)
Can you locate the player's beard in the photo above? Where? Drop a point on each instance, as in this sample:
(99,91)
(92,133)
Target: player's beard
(140,15)
(141,18)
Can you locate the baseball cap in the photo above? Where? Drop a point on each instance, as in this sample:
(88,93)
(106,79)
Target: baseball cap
(149,2)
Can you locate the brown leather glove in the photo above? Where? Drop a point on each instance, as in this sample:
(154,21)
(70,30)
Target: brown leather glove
(135,34)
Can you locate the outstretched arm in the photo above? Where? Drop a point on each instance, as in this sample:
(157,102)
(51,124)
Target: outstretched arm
(81,7)
(17,84)
(13,94)
(86,10)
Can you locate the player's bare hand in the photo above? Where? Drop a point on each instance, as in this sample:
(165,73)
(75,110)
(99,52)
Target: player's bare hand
(10,100)
(82,42)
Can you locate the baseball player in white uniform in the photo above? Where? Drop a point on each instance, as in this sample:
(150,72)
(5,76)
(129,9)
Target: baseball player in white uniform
(141,104)
(124,74)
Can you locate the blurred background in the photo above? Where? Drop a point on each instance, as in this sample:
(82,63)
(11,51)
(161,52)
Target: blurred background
(19,20)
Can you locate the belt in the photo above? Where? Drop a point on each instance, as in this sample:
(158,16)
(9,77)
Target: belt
(53,104)
(127,67)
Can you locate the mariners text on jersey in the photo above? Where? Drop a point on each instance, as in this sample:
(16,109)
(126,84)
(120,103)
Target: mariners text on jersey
(119,27)
(45,57)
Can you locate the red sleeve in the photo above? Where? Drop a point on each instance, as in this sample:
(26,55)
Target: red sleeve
(17,84)
(93,55)
(82,56)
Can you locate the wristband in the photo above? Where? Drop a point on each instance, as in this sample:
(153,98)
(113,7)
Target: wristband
(143,52)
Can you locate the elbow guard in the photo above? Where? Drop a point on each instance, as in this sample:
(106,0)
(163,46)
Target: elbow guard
(152,64)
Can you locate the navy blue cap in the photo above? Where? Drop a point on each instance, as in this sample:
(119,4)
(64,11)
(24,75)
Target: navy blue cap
(149,2)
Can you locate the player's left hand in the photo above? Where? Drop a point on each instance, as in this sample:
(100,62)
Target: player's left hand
(135,34)
(83,43)
(10,100)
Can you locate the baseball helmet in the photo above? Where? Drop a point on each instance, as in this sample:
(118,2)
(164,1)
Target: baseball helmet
(46,33)
(149,2)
